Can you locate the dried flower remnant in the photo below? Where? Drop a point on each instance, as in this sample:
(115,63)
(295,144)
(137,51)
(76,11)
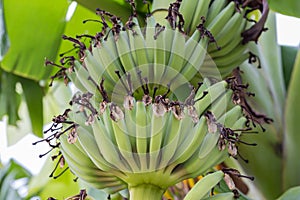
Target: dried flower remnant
(211,122)
(239,97)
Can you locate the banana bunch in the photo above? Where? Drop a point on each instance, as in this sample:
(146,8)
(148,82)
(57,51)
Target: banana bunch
(151,111)
(222,22)
(225,25)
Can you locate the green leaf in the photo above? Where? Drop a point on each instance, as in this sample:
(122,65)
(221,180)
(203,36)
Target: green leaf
(288,55)
(33,93)
(291,194)
(9,99)
(33,30)
(263,161)
(291,173)
(54,102)
(286,7)
(4,41)
(10,104)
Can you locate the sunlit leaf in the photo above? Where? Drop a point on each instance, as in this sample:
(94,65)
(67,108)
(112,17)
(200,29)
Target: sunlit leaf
(287,7)
(33,30)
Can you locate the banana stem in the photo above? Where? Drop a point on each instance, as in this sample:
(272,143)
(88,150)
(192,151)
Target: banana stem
(146,192)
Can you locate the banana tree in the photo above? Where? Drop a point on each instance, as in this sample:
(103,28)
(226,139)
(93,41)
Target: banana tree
(274,185)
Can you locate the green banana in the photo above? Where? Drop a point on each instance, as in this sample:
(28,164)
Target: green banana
(222,18)
(138,45)
(200,11)
(192,143)
(225,50)
(222,105)
(231,31)
(99,157)
(176,60)
(142,134)
(159,53)
(204,186)
(214,9)
(171,139)
(85,169)
(158,128)
(124,51)
(124,143)
(108,56)
(213,92)
(227,60)
(186,9)
(194,63)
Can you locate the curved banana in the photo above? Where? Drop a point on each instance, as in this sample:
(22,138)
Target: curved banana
(204,186)
(176,60)
(226,60)
(218,23)
(231,30)
(214,92)
(124,51)
(214,9)
(200,11)
(186,9)
(108,56)
(138,44)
